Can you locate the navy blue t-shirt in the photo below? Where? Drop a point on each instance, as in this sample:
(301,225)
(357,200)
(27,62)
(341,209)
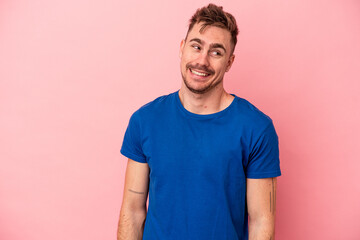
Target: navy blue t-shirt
(199,165)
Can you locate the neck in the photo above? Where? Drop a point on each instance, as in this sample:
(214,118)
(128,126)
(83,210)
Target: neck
(213,101)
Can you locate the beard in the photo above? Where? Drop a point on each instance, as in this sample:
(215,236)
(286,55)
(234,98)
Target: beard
(201,90)
(205,88)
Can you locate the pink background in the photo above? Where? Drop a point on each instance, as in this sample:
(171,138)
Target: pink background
(72,73)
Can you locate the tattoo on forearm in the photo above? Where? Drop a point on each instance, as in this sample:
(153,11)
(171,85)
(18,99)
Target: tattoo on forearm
(272,197)
(135,191)
(270,201)
(273,186)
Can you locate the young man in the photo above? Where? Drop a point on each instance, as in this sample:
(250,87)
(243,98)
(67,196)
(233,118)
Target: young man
(208,159)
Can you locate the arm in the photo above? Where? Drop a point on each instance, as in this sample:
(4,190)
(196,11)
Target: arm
(133,209)
(261,203)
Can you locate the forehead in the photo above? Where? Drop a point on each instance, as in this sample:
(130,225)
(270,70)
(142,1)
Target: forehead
(210,34)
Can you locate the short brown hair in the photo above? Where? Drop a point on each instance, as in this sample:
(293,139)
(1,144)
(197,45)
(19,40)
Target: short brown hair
(213,15)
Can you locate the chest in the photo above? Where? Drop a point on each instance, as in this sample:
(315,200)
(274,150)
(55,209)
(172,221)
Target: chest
(190,150)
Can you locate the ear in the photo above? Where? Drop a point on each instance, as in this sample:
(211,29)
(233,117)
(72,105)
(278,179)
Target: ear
(181,47)
(230,62)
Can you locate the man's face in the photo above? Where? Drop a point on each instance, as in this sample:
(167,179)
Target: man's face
(205,57)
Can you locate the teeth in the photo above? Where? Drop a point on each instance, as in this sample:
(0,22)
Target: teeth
(198,73)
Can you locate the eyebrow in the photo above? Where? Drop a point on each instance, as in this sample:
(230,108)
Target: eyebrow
(213,45)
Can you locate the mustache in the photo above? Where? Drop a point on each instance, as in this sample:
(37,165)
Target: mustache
(200,67)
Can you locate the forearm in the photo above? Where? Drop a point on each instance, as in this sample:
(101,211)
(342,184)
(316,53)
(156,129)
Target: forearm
(261,229)
(131,224)
(261,198)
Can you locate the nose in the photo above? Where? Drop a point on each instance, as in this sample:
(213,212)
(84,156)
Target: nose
(203,59)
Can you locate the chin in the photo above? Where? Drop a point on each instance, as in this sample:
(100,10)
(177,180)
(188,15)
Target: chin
(201,89)
(198,90)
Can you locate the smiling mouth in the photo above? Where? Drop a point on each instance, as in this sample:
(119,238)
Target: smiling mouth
(201,74)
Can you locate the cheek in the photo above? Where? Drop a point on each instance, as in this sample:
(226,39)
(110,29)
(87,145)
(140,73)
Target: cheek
(218,67)
(185,58)
(183,64)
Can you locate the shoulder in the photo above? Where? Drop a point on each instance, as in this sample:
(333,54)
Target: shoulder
(252,116)
(156,106)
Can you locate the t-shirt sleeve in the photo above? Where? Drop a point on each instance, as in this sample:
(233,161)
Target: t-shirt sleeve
(132,143)
(264,159)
